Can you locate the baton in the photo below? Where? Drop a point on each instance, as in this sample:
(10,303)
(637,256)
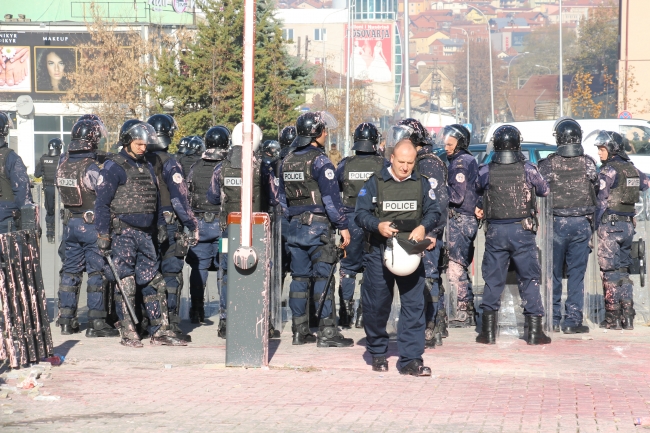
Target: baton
(323,296)
(107,255)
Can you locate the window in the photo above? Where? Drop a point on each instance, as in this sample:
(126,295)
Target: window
(49,127)
(287,34)
(639,137)
(320,34)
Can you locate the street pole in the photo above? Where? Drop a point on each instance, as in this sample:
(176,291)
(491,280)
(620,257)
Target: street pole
(347,80)
(490,51)
(510,63)
(247,111)
(466,34)
(561,69)
(406,68)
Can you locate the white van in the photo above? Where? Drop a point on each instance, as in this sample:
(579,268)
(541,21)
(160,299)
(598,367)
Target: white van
(635,130)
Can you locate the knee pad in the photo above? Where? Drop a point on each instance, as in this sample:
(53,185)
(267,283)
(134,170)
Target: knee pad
(158,283)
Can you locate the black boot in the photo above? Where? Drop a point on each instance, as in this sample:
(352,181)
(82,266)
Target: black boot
(464,316)
(430,335)
(301,332)
(99,328)
(221,330)
(346,313)
(69,326)
(613,319)
(628,313)
(329,335)
(441,322)
(359,322)
(197,311)
(174,326)
(488,333)
(471,312)
(535,332)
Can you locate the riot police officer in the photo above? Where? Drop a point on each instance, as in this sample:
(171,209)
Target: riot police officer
(14,181)
(351,173)
(398,205)
(205,254)
(287,136)
(176,208)
(182,146)
(463,225)
(77,181)
(573,179)
(619,185)
(508,185)
(128,204)
(195,148)
(309,191)
(432,167)
(46,168)
(225,188)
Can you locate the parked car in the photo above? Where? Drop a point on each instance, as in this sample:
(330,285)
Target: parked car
(478,151)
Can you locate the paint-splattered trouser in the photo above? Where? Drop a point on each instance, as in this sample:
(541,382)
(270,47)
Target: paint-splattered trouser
(506,243)
(203,256)
(571,237)
(462,233)
(435,300)
(614,259)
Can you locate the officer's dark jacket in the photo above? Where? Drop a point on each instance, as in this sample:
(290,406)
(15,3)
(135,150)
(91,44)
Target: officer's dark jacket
(186,162)
(432,167)
(14,183)
(573,182)
(199,180)
(619,186)
(46,168)
(111,178)
(463,170)
(352,172)
(367,215)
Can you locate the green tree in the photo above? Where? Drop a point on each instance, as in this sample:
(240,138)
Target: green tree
(202,74)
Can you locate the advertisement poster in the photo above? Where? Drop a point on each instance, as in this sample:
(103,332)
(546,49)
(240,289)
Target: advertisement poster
(372,48)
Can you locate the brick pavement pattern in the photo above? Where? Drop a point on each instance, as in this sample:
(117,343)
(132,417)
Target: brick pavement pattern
(580,383)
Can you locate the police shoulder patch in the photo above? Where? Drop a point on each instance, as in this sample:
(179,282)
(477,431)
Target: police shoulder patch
(432,194)
(177,178)
(100,180)
(602,184)
(460,178)
(362,192)
(329,173)
(433,182)
(276,181)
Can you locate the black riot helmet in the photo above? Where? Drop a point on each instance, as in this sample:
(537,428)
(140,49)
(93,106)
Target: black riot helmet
(195,145)
(5,124)
(138,131)
(568,136)
(86,134)
(287,136)
(125,127)
(419,135)
(366,138)
(217,137)
(613,142)
(89,117)
(311,125)
(164,125)
(507,144)
(459,132)
(54,147)
(182,145)
(271,149)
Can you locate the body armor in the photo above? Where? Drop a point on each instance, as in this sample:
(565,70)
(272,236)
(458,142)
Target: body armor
(300,187)
(6,193)
(571,188)
(201,178)
(508,197)
(231,182)
(357,171)
(49,165)
(186,161)
(69,178)
(157,161)
(139,194)
(626,194)
(399,201)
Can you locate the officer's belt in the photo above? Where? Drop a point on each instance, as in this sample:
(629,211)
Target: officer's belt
(121,225)
(315,218)
(201,214)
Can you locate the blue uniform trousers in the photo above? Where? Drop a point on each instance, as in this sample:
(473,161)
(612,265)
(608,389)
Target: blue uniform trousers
(431,260)
(203,256)
(352,263)
(614,248)
(462,233)
(171,268)
(505,243)
(377,298)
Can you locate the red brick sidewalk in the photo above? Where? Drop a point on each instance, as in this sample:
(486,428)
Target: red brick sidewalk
(576,384)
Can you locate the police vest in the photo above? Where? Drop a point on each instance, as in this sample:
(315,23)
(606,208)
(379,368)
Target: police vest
(626,194)
(72,190)
(357,171)
(186,162)
(49,167)
(231,182)
(508,197)
(399,201)
(201,179)
(300,188)
(138,195)
(571,188)
(157,161)
(6,193)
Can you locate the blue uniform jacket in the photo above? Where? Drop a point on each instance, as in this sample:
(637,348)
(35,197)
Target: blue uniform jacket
(172,174)
(214,191)
(323,173)
(340,176)
(16,173)
(534,180)
(608,179)
(367,203)
(110,177)
(463,171)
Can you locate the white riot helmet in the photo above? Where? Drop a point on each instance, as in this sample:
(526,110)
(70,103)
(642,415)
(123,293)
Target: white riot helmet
(238,136)
(400,261)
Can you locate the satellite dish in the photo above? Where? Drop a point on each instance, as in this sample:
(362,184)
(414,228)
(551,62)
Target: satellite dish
(24,105)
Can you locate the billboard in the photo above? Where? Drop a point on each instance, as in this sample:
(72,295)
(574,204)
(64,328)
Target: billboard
(37,63)
(372,52)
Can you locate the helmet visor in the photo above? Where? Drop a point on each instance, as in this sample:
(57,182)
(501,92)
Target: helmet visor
(329,120)
(603,138)
(396,134)
(145,132)
(448,132)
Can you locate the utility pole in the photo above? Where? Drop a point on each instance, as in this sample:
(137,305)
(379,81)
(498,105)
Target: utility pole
(306,48)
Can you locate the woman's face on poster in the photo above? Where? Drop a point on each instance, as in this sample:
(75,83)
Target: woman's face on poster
(55,67)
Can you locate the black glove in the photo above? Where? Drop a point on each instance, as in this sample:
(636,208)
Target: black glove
(162,234)
(103,243)
(193,237)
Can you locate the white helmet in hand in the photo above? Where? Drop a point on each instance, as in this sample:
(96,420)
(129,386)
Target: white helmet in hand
(399,261)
